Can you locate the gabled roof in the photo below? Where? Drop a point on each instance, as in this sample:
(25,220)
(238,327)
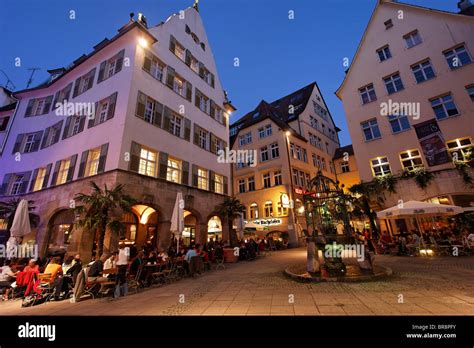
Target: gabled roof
(340,152)
(104,43)
(377,6)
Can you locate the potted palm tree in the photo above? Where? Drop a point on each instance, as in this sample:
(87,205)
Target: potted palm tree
(95,213)
(231,208)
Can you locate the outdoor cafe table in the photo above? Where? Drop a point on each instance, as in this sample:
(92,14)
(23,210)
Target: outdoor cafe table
(150,268)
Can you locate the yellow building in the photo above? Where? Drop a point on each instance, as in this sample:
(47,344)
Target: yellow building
(287,142)
(345,166)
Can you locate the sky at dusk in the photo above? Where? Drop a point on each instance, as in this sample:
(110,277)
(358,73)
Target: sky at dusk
(277,55)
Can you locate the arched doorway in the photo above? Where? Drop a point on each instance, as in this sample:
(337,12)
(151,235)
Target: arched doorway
(60,228)
(140,226)
(214,228)
(190,227)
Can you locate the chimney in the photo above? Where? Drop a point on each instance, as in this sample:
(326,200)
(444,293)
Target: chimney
(466,7)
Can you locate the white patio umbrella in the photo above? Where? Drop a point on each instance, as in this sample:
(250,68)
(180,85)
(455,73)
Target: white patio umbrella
(177,218)
(21,221)
(418,209)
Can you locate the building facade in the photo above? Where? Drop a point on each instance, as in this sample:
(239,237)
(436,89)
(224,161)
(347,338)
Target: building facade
(345,167)
(289,141)
(409,101)
(145,109)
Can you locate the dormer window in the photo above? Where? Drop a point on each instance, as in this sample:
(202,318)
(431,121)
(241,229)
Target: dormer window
(388,24)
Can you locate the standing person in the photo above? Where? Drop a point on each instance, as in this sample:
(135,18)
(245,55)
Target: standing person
(122,264)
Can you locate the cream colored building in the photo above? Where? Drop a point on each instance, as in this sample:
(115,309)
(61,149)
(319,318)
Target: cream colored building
(292,137)
(345,166)
(420,61)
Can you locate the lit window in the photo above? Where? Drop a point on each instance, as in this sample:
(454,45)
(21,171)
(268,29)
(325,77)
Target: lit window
(39,179)
(147,164)
(384,53)
(173,172)
(254,211)
(457,57)
(460,149)
(412,39)
(367,93)
(282,211)
(178,85)
(218,183)
(411,159)
(393,83)
(423,71)
(370,129)
(444,107)
(92,165)
(63,171)
(380,166)
(202,179)
(268,209)
(398,123)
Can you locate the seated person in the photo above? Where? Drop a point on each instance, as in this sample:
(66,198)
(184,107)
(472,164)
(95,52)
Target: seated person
(7,276)
(152,257)
(136,263)
(110,267)
(32,266)
(52,270)
(75,269)
(67,263)
(414,243)
(187,258)
(95,272)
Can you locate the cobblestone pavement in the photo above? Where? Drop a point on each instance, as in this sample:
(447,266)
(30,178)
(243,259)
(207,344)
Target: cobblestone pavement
(420,286)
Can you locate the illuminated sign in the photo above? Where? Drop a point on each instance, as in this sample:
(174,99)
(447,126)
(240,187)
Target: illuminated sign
(285,200)
(265,222)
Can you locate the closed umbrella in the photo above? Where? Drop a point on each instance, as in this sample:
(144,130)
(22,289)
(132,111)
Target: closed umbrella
(21,221)
(177,218)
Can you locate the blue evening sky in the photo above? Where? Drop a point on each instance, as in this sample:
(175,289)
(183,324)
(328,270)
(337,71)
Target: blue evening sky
(277,55)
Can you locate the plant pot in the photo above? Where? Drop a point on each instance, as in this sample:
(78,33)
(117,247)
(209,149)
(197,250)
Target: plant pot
(229,255)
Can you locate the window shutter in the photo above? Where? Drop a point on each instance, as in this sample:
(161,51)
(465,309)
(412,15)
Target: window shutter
(224,119)
(212,112)
(212,143)
(19,140)
(112,102)
(82,165)
(55,173)
(163,165)
(147,62)
(6,181)
(47,104)
(72,166)
(135,157)
(197,98)
(81,123)
(25,182)
(212,80)
(212,181)
(201,69)
(45,137)
(29,108)
(46,175)
(67,92)
(58,126)
(91,122)
(37,141)
(195,175)
(189,91)
(226,186)
(55,100)
(33,179)
(166,119)
(172,44)
(185,173)
(170,76)
(66,127)
(141,101)
(187,59)
(103,157)
(187,129)
(196,134)
(101,72)
(76,87)
(158,114)
(91,79)
(119,64)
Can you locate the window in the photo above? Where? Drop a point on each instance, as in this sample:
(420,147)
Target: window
(84,83)
(319,110)
(412,39)
(266,180)
(17,184)
(312,139)
(178,85)
(301,178)
(149,110)
(380,166)
(295,176)
(265,131)
(277,178)
(457,57)
(153,66)
(367,93)
(316,161)
(173,172)
(92,166)
(264,154)
(202,102)
(147,162)
(305,155)
(469,89)
(393,83)
(40,176)
(388,24)
(251,182)
(254,211)
(110,67)
(268,209)
(218,183)
(323,163)
(176,123)
(398,123)
(275,152)
(345,167)
(177,48)
(241,185)
(423,71)
(370,129)
(64,170)
(314,122)
(384,53)
(245,139)
(75,125)
(39,107)
(4,123)
(29,142)
(202,138)
(444,107)
(411,159)
(460,149)
(203,179)
(281,211)
(308,179)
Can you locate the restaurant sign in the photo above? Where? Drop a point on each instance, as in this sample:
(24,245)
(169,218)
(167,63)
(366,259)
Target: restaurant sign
(285,200)
(266,222)
(432,142)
